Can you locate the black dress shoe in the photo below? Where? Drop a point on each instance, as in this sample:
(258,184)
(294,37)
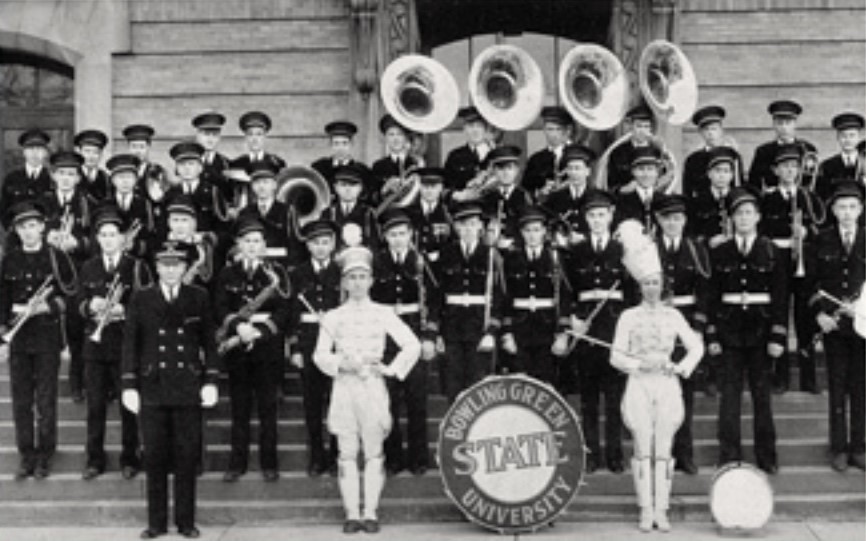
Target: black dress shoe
(591,463)
(24,471)
(315,469)
(129,472)
(333,469)
(711,390)
(858,460)
(352,526)
(371,525)
(270,476)
(839,462)
(419,470)
(232,476)
(190,533)
(150,533)
(770,469)
(780,388)
(616,465)
(42,471)
(77,396)
(393,469)
(687,465)
(90,473)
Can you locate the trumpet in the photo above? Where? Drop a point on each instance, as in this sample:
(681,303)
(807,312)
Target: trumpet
(39,297)
(202,266)
(112,299)
(405,190)
(59,238)
(131,234)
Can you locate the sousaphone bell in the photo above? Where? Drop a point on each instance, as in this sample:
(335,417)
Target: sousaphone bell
(668,82)
(593,86)
(506,85)
(420,93)
(304,191)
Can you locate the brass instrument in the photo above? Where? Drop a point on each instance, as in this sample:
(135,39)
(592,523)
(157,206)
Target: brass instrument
(507,87)
(203,265)
(305,192)
(40,296)
(853,308)
(420,93)
(404,194)
(131,234)
(593,86)
(227,343)
(668,82)
(797,230)
(112,298)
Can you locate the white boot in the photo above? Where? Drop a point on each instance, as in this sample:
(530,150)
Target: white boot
(350,488)
(664,477)
(641,470)
(374,482)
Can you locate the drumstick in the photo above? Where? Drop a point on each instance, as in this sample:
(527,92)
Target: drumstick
(602,343)
(599,305)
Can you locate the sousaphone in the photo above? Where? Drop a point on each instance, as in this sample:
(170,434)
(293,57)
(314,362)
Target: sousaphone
(506,86)
(593,86)
(304,191)
(420,93)
(668,82)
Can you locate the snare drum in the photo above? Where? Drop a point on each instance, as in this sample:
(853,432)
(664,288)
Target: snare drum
(741,497)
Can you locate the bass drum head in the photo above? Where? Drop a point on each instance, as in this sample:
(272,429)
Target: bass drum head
(741,497)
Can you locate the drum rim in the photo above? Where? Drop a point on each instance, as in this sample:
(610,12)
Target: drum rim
(745,466)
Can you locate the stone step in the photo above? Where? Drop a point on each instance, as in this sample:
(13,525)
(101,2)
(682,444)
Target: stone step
(293,456)
(293,430)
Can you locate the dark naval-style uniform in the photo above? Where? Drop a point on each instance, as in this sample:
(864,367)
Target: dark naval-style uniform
(22,185)
(433,228)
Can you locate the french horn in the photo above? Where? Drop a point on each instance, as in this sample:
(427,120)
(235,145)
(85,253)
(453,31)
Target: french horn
(420,93)
(507,87)
(593,86)
(668,82)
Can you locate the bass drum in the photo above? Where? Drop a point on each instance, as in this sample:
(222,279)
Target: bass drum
(741,497)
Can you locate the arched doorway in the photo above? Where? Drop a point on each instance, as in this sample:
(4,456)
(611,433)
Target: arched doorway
(35,92)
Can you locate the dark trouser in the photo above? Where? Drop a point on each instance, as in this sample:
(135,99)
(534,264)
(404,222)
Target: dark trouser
(463,366)
(683,440)
(805,327)
(74,331)
(103,377)
(34,382)
(535,360)
(316,387)
(257,378)
(171,438)
(845,373)
(754,362)
(597,378)
(413,392)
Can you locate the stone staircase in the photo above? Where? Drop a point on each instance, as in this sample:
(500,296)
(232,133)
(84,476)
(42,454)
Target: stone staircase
(805,486)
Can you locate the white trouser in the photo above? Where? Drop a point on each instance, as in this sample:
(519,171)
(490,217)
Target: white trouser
(652,409)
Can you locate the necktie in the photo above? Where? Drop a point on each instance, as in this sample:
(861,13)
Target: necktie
(598,246)
(466,251)
(744,246)
(347,209)
(109,266)
(848,241)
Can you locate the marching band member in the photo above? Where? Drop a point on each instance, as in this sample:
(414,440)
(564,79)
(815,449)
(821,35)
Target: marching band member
(836,263)
(347,208)
(536,305)
(169,374)
(152,178)
(637,204)
(543,167)
(567,202)
(36,278)
(598,285)
(209,205)
(90,144)
(208,131)
(316,280)
(845,164)
(641,121)
(255,126)
(643,347)
(341,138)
(350,349)
(747,316)
(389,172)
(686,266)
(250,303)
(503,205)
(108,280)
(30,181)
(471,288)
(404,281)
(708,219)
(789,235)
(465,162)
(68,210)
(785,114)
(183,228)
(431,219)
(708,120)
(135,210)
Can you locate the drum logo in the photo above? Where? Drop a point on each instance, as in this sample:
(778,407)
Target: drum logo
(511,453)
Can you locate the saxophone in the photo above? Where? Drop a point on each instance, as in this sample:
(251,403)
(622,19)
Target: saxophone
(227,343)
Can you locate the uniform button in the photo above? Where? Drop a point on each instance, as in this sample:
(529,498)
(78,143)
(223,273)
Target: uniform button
(319,287)
(743,266)
(399,277)
(162,348)
(743,281)
(531,286)
(162,331)
(844,271)
(180,348)
(180,365)
(162,365)
(844,285)
(180,331)
(598,280)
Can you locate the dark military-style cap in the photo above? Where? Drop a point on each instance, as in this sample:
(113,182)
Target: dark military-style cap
(556,115)
(261,169)
(640,112)
(846,188)
(576,152)
(469,114)
(848,121)
(210,120)
(317,228)
(707,115)
(172,252)
(387,122)
(785,108)
(740,196)
(248,224)
(254,119)
(181,204)
(107,215)
(352,173)
(138,132)
(186,150)
(503,154)
(532,214)
(123,162)
(787,152)
(393,218)
(465,210)
(669,204)
(649,154)
(94,138)
(33,138)
(66,158)
(342,128)
(598,199)
(430,175)
(719,155)
(26,210)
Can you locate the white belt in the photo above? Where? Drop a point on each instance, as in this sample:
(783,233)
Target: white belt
(746,298)
(275,252)
(403,309)
(783,243)
(465,299)
(599,294)
(307,317)
(532,303)
(259,317)
(19,308)
(683,300)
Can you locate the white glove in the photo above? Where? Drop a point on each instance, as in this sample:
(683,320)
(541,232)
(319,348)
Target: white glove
(487,343)
(509,344)
(209,395)
(131,400)
(297,360)
(428,350)
(560,345)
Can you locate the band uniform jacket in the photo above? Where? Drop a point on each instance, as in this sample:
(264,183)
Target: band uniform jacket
(242,190)
(507,208)
(95,281)
(210,207)
(22,274)
(214,165)
(686,270)
(362,215)
(461,165)
(398,285)
(236,288)
(837,272)
(385,168)
(761,175)
(537,298)
(619,165)
(322,291)
(282,243)
(80,209)
(594,277)
(96,183)
(169,350)
(777,215)
(833,170)
(541,166)
(463,286)
(18,187)
(695,177)
(327,166)
(569,209)
(708,214)
(629,205)
(432,230)
(748,295)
